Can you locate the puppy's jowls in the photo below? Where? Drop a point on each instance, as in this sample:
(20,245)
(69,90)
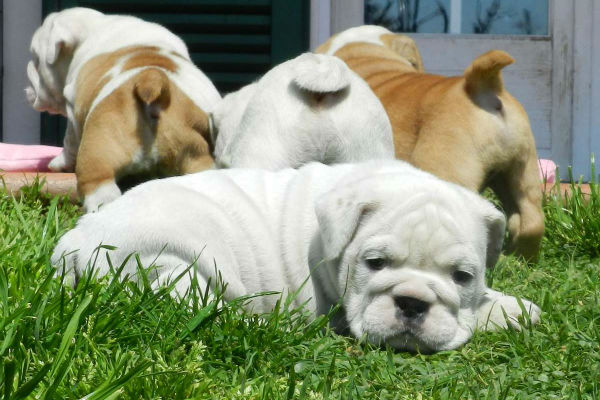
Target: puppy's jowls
(405,253)
(134,102)
(311,108)
(465,129)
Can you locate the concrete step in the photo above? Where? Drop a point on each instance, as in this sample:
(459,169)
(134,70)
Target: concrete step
(54,183)
(66,183)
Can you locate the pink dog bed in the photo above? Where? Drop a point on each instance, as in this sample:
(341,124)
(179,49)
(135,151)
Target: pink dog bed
(18,157)
(547,170)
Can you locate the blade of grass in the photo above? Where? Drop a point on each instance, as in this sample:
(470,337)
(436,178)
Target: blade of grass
(61,356)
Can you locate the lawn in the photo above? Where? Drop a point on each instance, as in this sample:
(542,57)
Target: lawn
(107,339)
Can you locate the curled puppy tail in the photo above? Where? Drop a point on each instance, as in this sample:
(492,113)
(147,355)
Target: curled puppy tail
(152,89)
(321,74)
(484,75)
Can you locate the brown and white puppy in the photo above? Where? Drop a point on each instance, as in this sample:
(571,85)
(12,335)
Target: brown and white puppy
(465,129)
(135,103)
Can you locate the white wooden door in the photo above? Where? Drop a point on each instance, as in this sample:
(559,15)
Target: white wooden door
(539,34)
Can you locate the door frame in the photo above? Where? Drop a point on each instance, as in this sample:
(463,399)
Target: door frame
(1,62)
(586,85)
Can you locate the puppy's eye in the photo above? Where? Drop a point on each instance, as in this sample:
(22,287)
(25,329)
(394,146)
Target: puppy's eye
(462,277)
(375,264)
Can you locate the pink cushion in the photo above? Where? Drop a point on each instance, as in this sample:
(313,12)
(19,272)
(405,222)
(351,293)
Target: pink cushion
(18,157)
(547,170)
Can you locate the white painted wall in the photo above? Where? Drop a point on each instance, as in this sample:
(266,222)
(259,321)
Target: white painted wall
(20,123)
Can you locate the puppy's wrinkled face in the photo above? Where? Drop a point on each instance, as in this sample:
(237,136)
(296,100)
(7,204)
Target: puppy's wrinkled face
(415,280)
(51,50)
(46,84)
(44,93)
(412,274)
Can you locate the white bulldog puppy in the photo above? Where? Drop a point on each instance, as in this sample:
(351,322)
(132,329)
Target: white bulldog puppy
(404,253)
(134,101)
(311,108)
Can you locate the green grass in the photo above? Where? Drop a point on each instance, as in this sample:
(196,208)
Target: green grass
(107,339)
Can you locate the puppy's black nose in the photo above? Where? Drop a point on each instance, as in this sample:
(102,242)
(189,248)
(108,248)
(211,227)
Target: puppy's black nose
(411,307)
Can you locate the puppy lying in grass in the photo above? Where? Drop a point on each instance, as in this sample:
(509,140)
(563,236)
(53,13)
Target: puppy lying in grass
(402,251)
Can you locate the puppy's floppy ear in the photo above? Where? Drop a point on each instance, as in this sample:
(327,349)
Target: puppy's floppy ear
(495,223)
(407,48)
(59,40)
(339,213)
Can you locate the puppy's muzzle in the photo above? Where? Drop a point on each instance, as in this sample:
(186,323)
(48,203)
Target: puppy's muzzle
(40,98)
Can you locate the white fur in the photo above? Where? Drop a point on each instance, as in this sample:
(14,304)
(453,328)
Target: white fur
(103,195)
(311,108)
(364,33)
(265,231)
(59,163)
(67,40)
(320,74)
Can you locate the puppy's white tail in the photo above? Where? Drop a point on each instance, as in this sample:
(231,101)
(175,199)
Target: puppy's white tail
(320,73)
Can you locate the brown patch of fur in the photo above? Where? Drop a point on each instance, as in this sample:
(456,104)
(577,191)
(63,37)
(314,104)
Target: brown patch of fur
(120,128)
(360,51)
(149,58)
(475,141)
(92,79)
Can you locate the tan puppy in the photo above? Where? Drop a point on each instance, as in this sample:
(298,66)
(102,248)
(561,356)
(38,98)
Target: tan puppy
(465,129)
(135,103)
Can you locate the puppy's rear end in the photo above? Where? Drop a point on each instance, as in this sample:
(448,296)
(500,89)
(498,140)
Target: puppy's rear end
(139,123)
(516,179)
(311,108)
(178,128)
(339,101)
(321,84)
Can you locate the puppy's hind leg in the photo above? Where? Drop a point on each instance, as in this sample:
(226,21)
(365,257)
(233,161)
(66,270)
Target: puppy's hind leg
(104,193)
(520,192)
(101,156)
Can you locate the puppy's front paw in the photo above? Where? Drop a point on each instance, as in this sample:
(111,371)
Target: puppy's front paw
(103,195)
(61,164)
(492,309)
